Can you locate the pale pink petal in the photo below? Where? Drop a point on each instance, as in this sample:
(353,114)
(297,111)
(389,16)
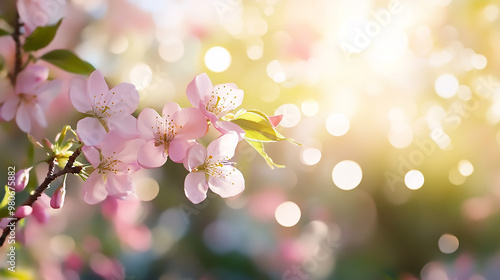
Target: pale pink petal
(123,99)
(231,185)
(96,84)
(211,116)
(92,155)
(79,95)
(229,97)
(126,126)
(275,120)
(198,88)
(37,114)
(177,149)
(170,109)
(40,211)
(195,187)
(129,152)
(9,108)
(47,92)
(94,189)
(147,122)
(119,185)
(30,78)
(23,211)
(23,117)
(229,127)
(25,13)
(192,123)
(223,146)
(90,131)
(151,156)
(195,156)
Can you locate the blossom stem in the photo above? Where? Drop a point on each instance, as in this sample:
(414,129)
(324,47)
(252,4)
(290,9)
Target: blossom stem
(18,59)
(51,176)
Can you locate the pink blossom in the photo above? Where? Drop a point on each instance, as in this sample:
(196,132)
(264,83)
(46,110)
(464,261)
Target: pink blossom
(23,211)
(34,13)
(114,161)
(216,102)
(21,179)
(108,109)
(169,135)
(41,208)
(211,168)
(57,199)
(31,97)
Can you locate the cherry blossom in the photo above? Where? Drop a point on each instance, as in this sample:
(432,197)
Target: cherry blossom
(114,161)
(34,13)
(57,199)
(21,179)
(211,168)
(108,109)
(31,97)
(216,102)
(169,135)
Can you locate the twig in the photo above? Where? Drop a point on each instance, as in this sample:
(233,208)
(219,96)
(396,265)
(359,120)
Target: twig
(18,59)
(51,176)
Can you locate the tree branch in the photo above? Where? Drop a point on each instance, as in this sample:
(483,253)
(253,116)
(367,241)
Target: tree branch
(18,59)
(51,176)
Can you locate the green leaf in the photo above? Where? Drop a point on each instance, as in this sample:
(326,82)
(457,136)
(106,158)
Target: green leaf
(5,199)
(68,61)
(4,32)
(258,127)
(41,37)
(259,147)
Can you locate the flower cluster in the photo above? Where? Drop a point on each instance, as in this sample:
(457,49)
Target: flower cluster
(117,144)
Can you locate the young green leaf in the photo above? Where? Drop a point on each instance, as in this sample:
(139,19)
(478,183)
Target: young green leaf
(5,199)
(68,61)
(259,147)
(41,37)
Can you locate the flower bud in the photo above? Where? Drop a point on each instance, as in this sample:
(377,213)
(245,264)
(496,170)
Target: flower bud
(21,179)
(23,211)
(275,120)
(57,199)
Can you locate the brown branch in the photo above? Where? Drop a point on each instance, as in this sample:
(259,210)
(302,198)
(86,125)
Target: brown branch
(18,59)
(51,176)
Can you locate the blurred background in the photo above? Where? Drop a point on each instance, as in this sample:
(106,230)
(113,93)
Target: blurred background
(396,105)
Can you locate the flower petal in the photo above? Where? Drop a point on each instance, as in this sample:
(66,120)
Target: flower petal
(94,189)
(119,185)
(92,155)
(10,106)
(223,147)
(151,156)
(228,186)
(177,149)
(123,99)
(96,84)
(47,92)
(30,78)
(170,109)
(23,118)
(79,95)
(229,95)
(126,126)
(90,131)
(198,88)
(192,123)
(195,187)
(37,114)
(229,127)
(147,123)
(195,156)
(275,120)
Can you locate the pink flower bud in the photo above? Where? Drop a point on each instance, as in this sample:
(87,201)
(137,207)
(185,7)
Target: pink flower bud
(275,120)
(4,222)
(21,179)
(40,208)
(23,211)
(57,199)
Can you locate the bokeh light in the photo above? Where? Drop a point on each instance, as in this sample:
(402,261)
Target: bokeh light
(337,124)
(414,179)
(347,175)
(311,156)
(287,214)
(291,115)
(217,59)
(448,243)
(446,85)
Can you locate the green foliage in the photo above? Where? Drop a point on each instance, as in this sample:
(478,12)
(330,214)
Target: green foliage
(68,61)
(41,37)
(3,32)
(259,130)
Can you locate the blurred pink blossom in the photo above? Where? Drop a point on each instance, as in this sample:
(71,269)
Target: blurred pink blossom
(216,102)
(169,135)
(210,168)
(109,109)
(31,97)
(34,13)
